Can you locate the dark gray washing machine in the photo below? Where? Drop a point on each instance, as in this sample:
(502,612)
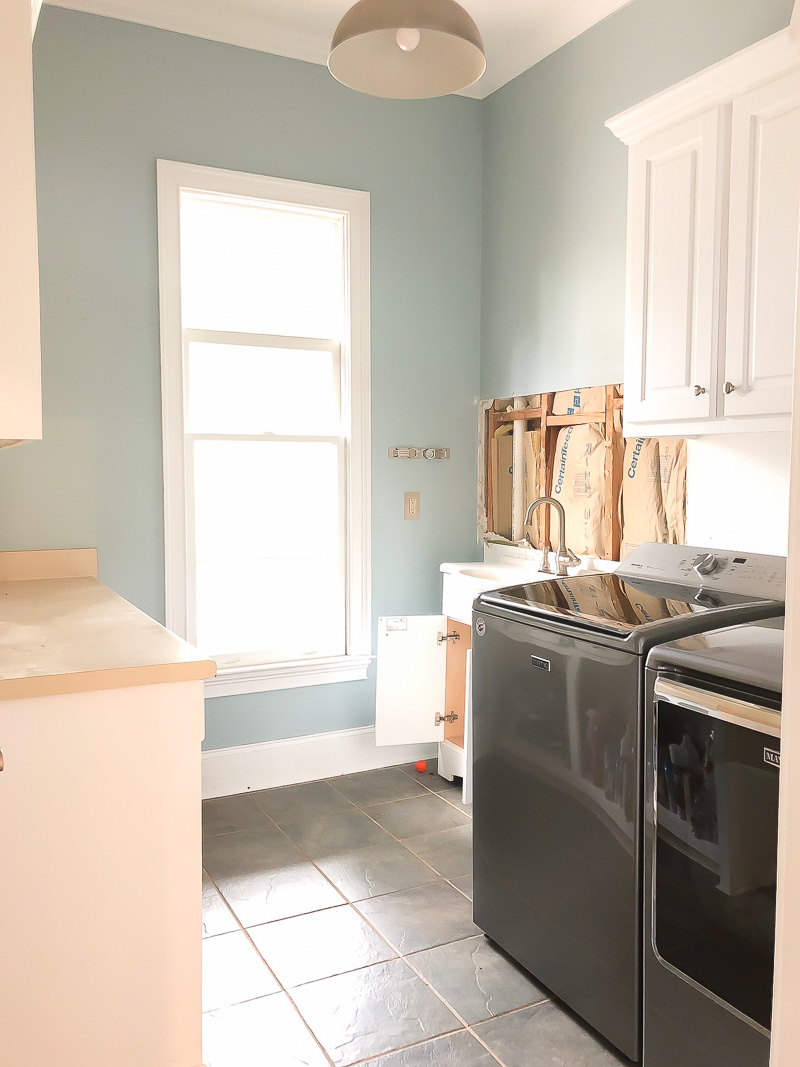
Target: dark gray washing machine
(712,743)
(558,693)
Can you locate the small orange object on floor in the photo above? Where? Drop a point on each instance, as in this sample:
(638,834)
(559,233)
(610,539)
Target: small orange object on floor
(422,766)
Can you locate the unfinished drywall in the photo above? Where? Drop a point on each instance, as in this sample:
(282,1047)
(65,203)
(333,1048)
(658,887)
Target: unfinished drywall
(737,492)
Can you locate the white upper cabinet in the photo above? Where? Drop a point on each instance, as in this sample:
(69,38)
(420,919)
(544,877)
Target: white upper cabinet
(20,359)
(714,246)
(763,248)
(672,278)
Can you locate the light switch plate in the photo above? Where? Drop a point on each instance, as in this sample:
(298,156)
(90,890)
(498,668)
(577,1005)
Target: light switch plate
(411,508)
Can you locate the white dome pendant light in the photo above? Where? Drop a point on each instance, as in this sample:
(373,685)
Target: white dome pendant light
(407,49)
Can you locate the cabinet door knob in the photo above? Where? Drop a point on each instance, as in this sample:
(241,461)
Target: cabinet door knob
(729,388)
(2,761)
(698,390)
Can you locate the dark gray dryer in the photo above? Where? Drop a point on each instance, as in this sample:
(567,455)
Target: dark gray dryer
(558,692)
(712,745)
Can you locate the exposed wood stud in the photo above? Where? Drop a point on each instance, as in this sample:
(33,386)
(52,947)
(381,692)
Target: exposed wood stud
(543,419)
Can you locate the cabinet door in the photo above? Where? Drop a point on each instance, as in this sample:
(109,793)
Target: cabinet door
(763,250)
(674,225)
(96,969)
(456,681)
(411,679)
(20,387)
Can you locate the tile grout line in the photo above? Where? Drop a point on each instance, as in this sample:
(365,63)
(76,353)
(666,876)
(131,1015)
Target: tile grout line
(465,1025)
(324,875)
(291,1000)
(421,860)
(394,838)
(388,832)
(353,904)
(252,797)
(277,980)
(466,1028)
(438,794)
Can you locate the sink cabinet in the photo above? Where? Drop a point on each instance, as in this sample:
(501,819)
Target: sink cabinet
(713,247)
(424,689)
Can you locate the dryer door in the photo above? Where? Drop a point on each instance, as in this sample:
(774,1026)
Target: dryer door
(717,764)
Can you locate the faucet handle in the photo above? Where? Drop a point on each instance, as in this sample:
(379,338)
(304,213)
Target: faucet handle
(569,557)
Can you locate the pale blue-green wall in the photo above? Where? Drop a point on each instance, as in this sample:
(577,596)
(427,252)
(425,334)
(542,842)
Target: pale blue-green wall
(111,98)
(554,186)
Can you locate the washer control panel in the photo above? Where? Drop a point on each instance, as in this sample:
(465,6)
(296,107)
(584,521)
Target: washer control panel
(748,573)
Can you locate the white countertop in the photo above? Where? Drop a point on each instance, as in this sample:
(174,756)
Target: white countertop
(72,634)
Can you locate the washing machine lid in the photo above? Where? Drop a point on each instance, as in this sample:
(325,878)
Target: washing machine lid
(749,656)
(624,607)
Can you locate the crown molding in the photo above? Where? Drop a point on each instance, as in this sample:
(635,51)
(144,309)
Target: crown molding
(214,21)
(712,87)
(211,20)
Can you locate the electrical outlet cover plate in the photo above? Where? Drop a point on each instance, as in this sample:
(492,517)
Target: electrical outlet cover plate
(411,505)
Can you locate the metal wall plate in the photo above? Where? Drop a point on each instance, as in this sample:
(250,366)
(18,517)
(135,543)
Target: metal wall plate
(418,453)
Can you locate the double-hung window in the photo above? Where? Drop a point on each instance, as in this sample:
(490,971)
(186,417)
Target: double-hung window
(265,400)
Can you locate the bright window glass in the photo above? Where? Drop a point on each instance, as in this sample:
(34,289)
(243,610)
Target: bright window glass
(268,549)
(257,267)
(263,314)
(253,389)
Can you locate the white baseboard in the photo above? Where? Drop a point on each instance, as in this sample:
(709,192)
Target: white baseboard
(301,759)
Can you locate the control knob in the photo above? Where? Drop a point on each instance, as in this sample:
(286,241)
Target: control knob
(707,563)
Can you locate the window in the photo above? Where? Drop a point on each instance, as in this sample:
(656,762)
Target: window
(265,404)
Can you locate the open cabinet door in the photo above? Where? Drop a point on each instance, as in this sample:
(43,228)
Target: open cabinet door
(411,679)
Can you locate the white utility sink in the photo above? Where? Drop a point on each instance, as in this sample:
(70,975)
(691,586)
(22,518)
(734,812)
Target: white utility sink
(463,582)
(492,571)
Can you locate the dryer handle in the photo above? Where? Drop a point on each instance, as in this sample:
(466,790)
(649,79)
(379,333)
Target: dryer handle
(716,706)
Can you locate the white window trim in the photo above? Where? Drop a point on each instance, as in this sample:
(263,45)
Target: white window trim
(172,177)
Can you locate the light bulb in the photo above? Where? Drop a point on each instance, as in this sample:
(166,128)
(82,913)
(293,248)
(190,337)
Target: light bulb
(407,39)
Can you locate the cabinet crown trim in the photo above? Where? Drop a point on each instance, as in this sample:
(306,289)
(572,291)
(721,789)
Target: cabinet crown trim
(716,85)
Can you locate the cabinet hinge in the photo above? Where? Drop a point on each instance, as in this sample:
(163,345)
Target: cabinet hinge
(450,717)
(441,638)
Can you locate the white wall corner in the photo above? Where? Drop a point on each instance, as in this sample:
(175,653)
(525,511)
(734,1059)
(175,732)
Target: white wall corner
(301,759)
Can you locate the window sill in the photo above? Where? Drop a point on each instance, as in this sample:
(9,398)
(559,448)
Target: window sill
(232,681)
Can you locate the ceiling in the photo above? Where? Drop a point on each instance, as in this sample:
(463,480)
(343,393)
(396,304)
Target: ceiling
(516,33)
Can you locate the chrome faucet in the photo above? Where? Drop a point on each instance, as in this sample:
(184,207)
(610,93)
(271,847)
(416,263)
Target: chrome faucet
(564,557)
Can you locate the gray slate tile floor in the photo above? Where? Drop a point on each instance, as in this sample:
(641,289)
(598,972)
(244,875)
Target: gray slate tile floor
(337,926)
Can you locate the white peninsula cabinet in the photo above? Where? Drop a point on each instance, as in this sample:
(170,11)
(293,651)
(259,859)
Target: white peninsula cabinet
(20,356)
(713,245)
(101,720)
